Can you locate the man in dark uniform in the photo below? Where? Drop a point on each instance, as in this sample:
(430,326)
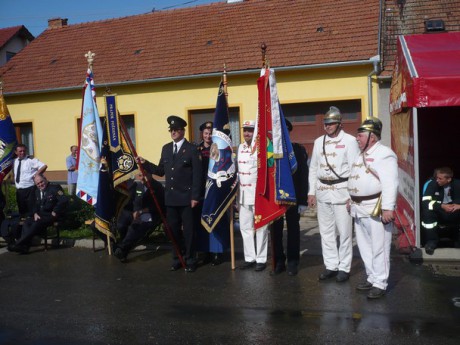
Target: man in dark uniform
(441,206)
(50,203)
(300,179)
(144,215)
(180,163)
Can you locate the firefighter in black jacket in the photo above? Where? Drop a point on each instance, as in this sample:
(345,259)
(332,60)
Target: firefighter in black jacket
(441,209)
(300,179)
(180,163)
(144,215)
(50,204)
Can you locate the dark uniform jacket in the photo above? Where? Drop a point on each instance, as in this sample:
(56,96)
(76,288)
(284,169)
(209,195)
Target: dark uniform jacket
(141,198)
(53,199)
(300,177)
(434,195)
(183,174)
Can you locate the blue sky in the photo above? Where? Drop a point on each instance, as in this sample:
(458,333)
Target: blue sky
(34,14)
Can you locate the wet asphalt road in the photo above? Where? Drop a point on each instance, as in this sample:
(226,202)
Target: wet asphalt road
(75,296)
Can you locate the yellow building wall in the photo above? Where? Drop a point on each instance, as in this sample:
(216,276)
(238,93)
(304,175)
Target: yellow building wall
(54,115)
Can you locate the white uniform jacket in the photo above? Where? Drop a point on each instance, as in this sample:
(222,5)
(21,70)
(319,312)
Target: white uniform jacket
(341,152)
(247,174)
(383,163)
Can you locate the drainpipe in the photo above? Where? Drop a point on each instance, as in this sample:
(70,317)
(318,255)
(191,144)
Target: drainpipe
(375,71)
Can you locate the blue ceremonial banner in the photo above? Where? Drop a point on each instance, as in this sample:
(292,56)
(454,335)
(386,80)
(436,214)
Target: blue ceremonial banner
(7,139)
(118,166)
(90,144)
(112,117)
(222,179)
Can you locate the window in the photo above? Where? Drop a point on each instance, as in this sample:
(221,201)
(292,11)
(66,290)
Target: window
(306,112)
(25,135)
(200,116)
(9,56)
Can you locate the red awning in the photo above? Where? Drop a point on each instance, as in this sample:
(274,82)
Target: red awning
(427,71)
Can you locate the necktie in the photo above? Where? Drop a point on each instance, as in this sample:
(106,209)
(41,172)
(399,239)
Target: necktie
(175,150)
(18,172)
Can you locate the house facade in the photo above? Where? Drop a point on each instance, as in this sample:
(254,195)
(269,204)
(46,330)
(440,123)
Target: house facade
(170,62)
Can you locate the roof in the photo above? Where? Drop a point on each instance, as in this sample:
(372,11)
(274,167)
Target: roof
(407,17)
(427,73)
(197,41)
(6,34)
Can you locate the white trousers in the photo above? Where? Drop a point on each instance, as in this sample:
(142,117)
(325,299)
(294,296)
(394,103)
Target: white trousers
(255,243)
(374,243)
(334,220)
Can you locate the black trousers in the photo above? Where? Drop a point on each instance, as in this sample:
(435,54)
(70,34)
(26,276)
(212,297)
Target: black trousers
(25,198)
(293,238)
(135,233)
(33,227)
(181,222)
(450,220)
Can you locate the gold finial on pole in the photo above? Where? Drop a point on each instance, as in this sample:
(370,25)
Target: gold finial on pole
(90,58)
(224,79)
(108,90)
(263,46)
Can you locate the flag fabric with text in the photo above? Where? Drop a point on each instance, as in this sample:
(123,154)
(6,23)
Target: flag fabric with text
(90,144)
(7,139)
(275,155)
(222,179)
(118,166)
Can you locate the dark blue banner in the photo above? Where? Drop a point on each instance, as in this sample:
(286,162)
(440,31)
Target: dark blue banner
(222,179)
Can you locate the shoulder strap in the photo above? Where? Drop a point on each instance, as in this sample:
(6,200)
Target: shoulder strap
(325,157)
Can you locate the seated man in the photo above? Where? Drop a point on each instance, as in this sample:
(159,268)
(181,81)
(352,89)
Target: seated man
(441,206)
(50,203)
(145,215)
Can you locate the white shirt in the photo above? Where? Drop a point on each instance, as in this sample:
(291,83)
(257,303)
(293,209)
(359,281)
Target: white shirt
(247,174)
(29,167)
(178,144)
(341,152)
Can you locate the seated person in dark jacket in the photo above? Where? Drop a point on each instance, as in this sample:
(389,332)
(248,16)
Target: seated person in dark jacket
(441,209)
(145,216)
(50,203)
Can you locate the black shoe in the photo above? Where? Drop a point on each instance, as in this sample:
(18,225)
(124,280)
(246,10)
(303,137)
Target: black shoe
(260,267)
(430,247)
(326,274)
(364,286)
(292,270)
(279,268)
(342,276)
(175,266)
(375,293)
(247,265)
(19,248)
(120,254)
(217,259)
(190,268)
(207,259)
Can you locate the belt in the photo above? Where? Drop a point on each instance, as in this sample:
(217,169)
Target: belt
(331,182)
(359,199)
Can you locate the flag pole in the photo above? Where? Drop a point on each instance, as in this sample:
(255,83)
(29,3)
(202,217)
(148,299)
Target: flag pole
(90,58)
(231,228)
(263,47)
(150,188)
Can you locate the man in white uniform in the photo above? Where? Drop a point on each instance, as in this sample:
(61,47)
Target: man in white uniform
(330,165)
(255,243)
(373,186)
